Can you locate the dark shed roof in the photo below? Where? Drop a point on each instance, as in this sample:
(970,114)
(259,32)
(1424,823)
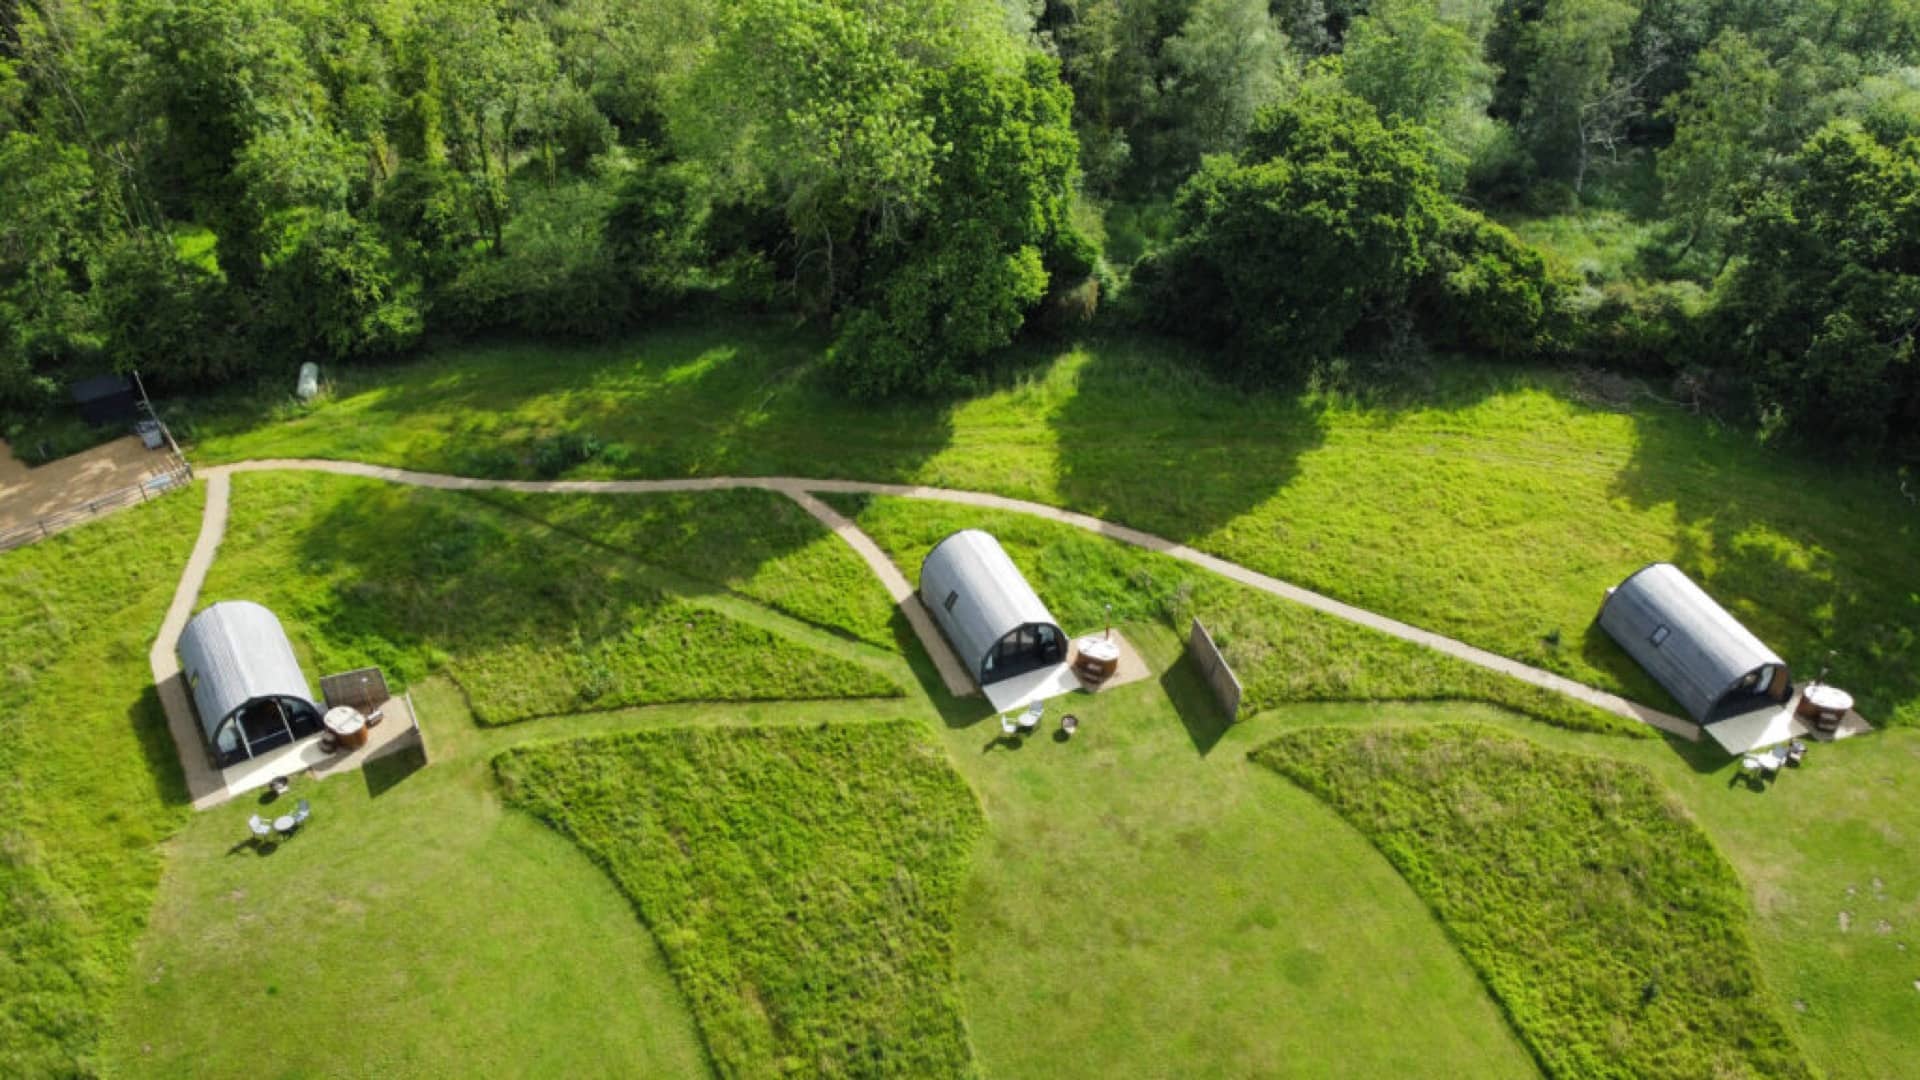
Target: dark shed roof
(1683,638)
(103,399)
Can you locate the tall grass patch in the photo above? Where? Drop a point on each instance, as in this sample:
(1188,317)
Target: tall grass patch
(1283,652)
(89,784)
(759,544)
(530,621)
(1604,922)
(801,881)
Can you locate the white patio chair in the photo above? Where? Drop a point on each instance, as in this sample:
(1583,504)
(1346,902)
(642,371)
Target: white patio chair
(261,830)
(1007,725)
(301,813)
(1031,718)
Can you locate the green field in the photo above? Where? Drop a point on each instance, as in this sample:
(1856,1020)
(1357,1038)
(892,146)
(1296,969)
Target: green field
(1141,894)
(801,881)
(530,620)
(413,927)
(1281,651)
(1491,504)
(89,784)
(1621,950)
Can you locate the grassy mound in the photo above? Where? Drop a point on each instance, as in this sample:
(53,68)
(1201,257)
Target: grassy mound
(756,543)
(530,621)
(1282,652)
(89,783)
(801,882)
(1601,917)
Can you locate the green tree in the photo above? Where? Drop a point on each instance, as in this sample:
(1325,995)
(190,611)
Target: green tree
(1412,63)
(1718,146)
(822,102)
(205,78)
(46,229)
(1228,60)
(1320,227)
(959,283)
(1824,303)
(1581,92)
(1417,65)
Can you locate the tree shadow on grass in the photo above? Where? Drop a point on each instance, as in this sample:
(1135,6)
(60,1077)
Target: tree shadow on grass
(148,718)
(1148,439)
(1206,722)
(740,399)
(1814,557)
(958,713)
(405,579)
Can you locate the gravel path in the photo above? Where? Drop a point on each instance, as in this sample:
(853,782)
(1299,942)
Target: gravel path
(803,490)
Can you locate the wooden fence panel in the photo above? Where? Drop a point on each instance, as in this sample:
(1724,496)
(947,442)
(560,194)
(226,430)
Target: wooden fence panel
(1213,666)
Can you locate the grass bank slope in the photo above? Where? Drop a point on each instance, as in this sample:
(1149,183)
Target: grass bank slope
(530,621)
(1283,652)
(801,881)
(1605,923)
(89,784)
(1491,504)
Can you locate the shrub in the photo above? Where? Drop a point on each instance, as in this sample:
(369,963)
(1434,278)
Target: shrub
(1321,225)
(1488,289)
(334,292)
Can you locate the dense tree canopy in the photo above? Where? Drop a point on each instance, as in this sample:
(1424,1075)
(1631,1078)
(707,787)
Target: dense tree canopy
(210,190)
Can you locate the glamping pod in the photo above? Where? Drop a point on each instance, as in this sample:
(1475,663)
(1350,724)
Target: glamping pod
(986,608)
(246,683)
(1713,666)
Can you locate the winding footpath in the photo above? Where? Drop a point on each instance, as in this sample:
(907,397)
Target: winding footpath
(207,788)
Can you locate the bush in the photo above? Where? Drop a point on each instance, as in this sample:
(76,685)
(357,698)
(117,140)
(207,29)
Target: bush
(174,321)
(1319,227)
(656,232)
(1488,289)
(1645,326)
(960,285)
(335,293)
(424,211)
(552,276)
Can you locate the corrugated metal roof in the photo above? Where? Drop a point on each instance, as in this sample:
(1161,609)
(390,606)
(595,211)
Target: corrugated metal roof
(977,595)
(236,651)
(1704,651)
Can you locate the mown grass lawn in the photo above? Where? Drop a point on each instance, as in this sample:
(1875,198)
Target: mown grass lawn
(414,927)
(1492,504)
(801,881)
(1610,929)
(1149,902)
(531,621)
(89,784)
(1281,651)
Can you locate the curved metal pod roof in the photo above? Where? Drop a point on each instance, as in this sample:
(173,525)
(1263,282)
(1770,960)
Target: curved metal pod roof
(235,652)
(1685,640)
(977,595)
